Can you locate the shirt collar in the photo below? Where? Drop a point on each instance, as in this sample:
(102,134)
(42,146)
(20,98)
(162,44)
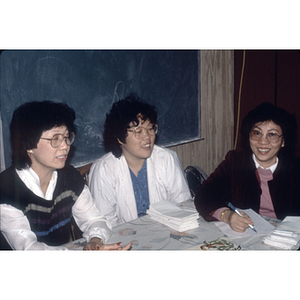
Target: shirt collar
(32,181)
(272,168)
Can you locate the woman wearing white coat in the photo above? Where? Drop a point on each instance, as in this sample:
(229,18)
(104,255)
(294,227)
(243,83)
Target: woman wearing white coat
(134,173)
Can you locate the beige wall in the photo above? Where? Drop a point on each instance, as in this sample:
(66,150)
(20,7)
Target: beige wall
(217,112)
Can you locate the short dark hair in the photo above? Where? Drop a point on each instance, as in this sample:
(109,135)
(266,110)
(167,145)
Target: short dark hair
(269,112)
(28,123)
(122,113)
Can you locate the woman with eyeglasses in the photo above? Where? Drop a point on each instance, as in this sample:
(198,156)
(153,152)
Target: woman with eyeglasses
(40,192)
(135,172)
(264,176)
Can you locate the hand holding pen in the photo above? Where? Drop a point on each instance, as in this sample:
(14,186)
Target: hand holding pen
(238,224)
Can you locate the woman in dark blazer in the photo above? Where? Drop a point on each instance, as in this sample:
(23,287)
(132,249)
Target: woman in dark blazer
(264,176)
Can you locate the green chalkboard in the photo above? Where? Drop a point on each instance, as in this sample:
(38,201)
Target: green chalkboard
(91,80)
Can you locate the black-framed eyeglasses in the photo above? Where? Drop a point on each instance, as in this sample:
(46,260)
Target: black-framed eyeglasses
(140,132)
(272,137)
(58,138)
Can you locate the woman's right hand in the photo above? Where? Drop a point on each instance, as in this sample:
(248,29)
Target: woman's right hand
(236,222)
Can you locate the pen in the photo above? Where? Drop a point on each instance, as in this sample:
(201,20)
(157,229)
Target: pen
(233,208)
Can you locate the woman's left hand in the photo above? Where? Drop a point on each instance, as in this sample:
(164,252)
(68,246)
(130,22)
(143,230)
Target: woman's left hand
(97,244)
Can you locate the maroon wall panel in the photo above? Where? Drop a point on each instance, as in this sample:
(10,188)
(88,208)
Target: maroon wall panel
(269,75)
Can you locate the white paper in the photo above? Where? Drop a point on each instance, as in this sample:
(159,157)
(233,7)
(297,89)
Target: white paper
(291,222)
(286,235)
(173,216)
(188,205)
(260,224)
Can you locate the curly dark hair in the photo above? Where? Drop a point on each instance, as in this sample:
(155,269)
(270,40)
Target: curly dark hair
(28,123)
(117,121)
(269,112)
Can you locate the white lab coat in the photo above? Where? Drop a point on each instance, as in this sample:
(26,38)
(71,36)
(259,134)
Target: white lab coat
(111,186)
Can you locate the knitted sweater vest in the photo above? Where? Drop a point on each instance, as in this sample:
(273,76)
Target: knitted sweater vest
(49,220)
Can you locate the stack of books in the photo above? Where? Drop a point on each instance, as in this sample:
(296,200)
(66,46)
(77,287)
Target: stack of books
(176,216)
(286,235)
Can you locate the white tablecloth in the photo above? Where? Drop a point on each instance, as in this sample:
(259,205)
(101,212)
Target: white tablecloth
(146,234)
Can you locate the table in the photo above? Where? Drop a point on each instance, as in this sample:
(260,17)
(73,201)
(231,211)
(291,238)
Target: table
(147,234)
